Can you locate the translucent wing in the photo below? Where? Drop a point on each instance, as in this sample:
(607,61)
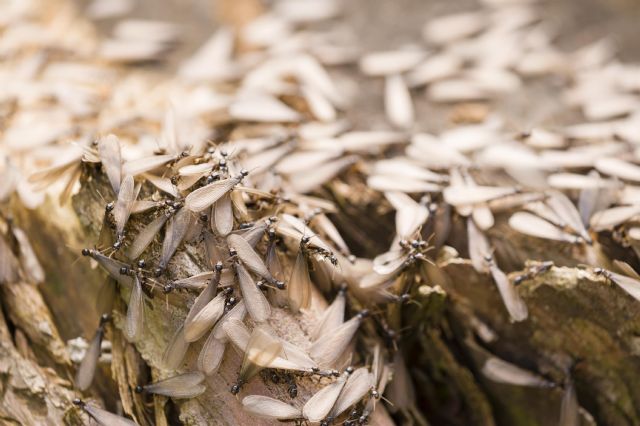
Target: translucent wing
(201,322)
(299,286)
(332,318)
(182,386)
(255,301)
(326,351)
(105,418)
(270,408)
(204,197)
(135,312)
(535,226)
(262,349)
(248,256)
(176,350)
(124,203)
(87,369)
(320,404)
(478,247)
(223,212)
(174,234)
(512,300)
(357,387)
(111,158)
(146,235)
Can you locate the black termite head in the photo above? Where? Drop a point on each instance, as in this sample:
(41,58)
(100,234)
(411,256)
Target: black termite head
(349,369)
(104,318)
(261,285)
(109,206)
(280,285)
(212,178)
(343,288)
(141,263)
(125,270)
(139,389)
(233,252)
(118,244)
(235,388)
(86,252)
(404,298)
(204,217)
(375,394)
(222,163)
(158,271)
(245,225)
(78,402)
(327,421)
(174,179)
(293,390)
(244,173)
(218,266)
(335,373)
(363,420)
(364,313)
(227,291)
(167,288)
(333,259)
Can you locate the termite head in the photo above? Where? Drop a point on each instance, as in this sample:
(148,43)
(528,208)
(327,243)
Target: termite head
(293,390)
(218,266)
(158,271)
(139,389)
(227,291)
(167,288)
(104,318)
(280,285)
(326,422)
(235,389)
(204,217)
(124,270)
(305,240)
(141,263)
(335,373)
(349,370)
(222,163)
(404,298)
(117,244)
(375,394)
(86,252)
(260,284)
(363,420)
(109,206)
(174,179)
(78,402)
(244,173)
(271,233)
(233,252)
(363,313)
(333,259)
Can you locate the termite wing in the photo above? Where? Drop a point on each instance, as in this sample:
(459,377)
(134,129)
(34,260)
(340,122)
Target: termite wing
(261,349)
(182,386)
(103,417)
(87,368)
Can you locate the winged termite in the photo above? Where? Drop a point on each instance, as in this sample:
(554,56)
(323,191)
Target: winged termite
(204,197)
(210,356)
(103,417)
(501,371)
(299,288)
(291,226)
(87,369)
(358,386)
(206,317)
(254,234)
(106,296)
(512,300)
(629,284)
(332,318)
(111,158)
(112,266)
(535,226)
(146,235)
(146,164)
(261,349)
(174,234)
(134,321)
(27,256)
(479,247)
(223,214)
(251,259)
(124,204)
(327,351)
(318,407)
(194,282)
(182,386)
(270,408)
